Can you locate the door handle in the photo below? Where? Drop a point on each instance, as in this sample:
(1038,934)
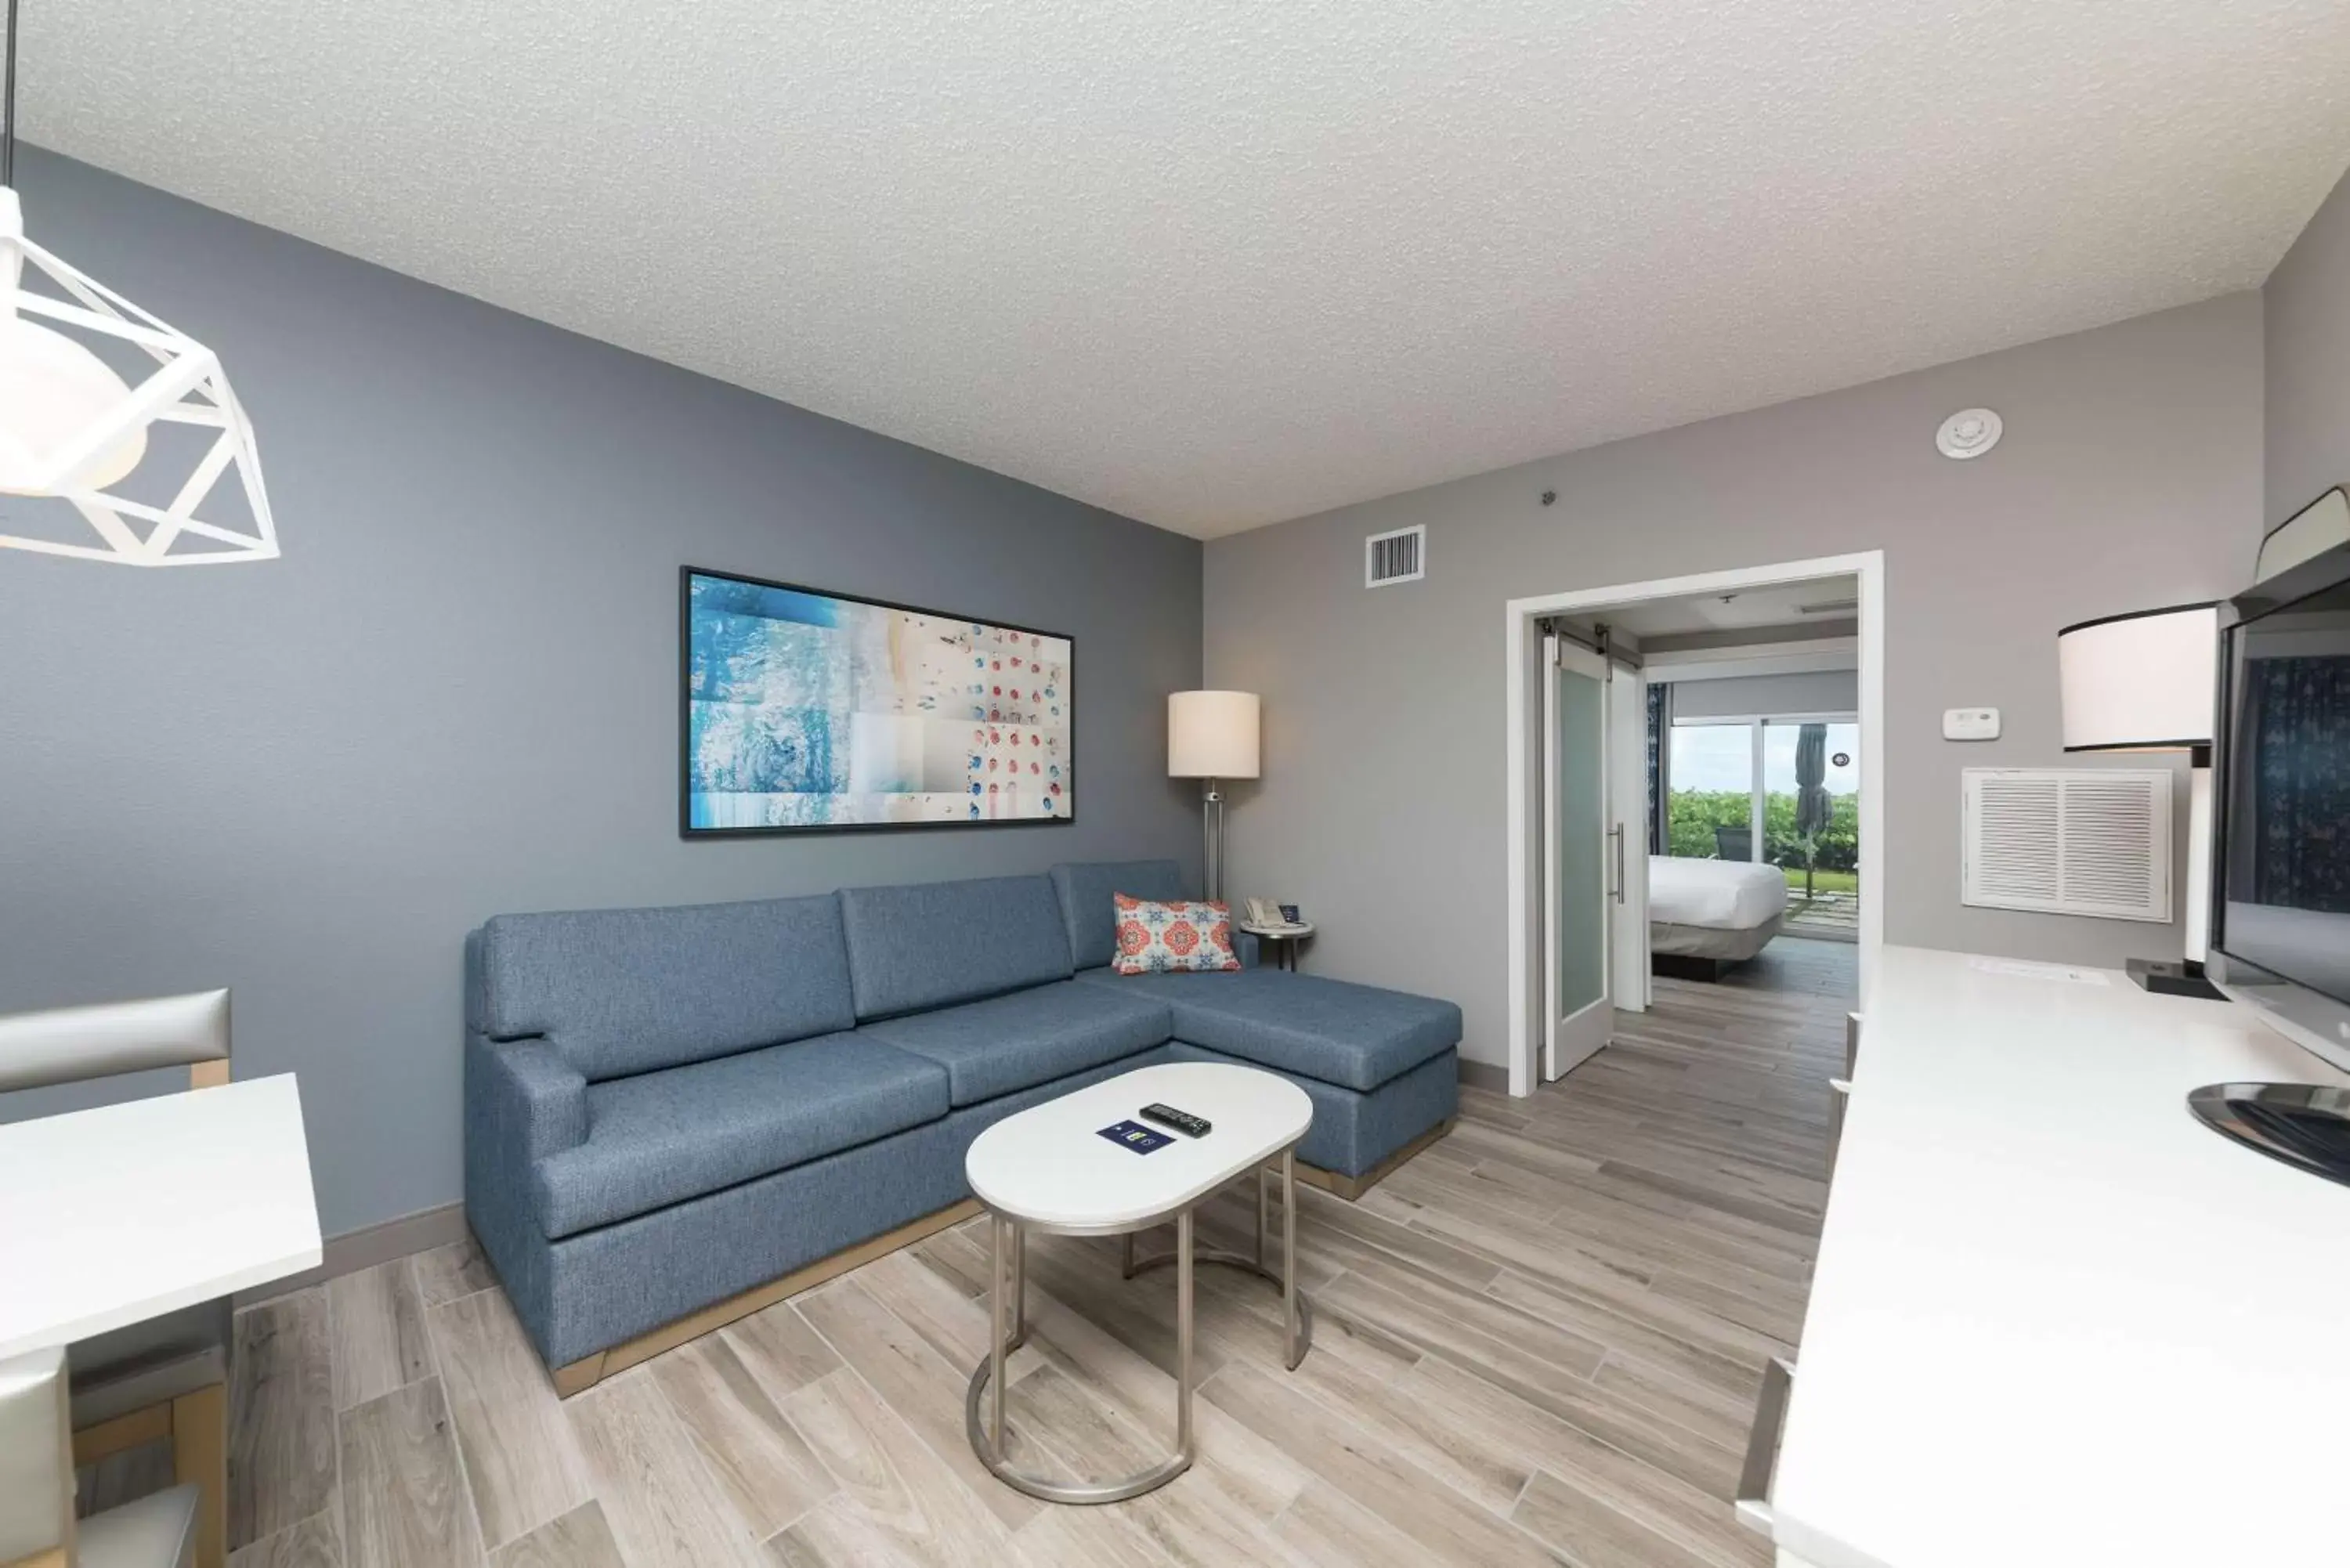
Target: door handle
(1616,832)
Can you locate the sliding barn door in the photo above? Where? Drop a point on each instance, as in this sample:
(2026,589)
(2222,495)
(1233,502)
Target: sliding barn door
(1578,856)
(1627,839)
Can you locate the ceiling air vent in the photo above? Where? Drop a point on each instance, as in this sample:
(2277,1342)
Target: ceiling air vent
(1400,556)
(2068,841)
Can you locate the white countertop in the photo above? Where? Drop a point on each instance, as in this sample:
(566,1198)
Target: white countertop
(1048,1165)
(111,1216)
(2055,1319)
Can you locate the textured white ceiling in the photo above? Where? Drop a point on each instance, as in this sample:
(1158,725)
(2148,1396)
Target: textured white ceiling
(1216,262)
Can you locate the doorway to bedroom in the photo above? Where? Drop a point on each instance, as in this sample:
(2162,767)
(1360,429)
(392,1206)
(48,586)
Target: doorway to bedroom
(1754,749)
(1697,797)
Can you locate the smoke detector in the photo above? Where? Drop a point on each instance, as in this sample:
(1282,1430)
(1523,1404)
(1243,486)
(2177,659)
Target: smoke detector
(1969,432)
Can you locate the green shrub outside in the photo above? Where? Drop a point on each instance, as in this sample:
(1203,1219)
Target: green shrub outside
(1696,813)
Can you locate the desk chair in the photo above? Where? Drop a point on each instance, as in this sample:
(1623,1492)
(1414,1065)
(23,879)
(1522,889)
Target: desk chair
(166,1377)
(37,1529)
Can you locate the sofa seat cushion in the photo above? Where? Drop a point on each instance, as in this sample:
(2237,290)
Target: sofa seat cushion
(1007,1043)
(662,1137)
(1357,1036)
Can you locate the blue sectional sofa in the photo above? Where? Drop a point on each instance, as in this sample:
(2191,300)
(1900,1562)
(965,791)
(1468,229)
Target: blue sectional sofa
(668,1108)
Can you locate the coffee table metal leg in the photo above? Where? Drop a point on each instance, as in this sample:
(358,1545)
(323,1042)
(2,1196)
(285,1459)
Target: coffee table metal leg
(1183,1336)
(1126,1256)
(996,1226)
(1007,1277)
(1019,1285)
(1263,1187)
(1296,1345)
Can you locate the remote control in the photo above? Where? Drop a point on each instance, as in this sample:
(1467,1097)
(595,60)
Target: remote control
(1183,1122)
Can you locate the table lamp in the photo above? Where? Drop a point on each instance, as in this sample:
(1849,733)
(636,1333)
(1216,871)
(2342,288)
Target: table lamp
(2149,681)
(1212,735)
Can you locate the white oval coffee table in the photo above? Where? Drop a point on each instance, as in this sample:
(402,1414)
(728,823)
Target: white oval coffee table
(1047,1168)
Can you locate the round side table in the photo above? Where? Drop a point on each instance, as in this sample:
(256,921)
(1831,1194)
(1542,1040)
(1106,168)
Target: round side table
(1283,940)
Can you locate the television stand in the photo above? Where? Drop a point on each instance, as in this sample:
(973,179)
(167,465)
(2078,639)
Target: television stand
(2306,1126)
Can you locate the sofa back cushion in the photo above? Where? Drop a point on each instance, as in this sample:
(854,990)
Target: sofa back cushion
(934,944)
(1085,890)
(628,991)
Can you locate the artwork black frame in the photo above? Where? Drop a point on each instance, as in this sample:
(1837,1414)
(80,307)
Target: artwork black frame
(691,834)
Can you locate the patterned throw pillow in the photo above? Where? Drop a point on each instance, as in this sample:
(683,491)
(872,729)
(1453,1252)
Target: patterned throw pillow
(1157,939)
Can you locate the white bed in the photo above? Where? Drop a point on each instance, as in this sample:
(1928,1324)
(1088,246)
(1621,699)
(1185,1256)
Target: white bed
(1723,910)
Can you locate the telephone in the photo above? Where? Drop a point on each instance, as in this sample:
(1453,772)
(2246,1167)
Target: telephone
(1262,913)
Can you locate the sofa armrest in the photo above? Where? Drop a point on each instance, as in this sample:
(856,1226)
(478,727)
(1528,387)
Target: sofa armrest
(522,1103)
(522,1099)
(1246,947)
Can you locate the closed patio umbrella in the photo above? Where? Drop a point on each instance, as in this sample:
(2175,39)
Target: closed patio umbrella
(1812,807)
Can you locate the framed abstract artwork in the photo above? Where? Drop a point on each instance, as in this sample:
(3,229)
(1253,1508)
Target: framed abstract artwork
(802,711)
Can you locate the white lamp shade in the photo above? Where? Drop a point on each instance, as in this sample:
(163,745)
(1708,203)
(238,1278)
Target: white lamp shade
(72,429)
(53,392)
(1212,735)
(2147,681)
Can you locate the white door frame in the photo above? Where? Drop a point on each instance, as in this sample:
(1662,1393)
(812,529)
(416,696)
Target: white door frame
(1522,642)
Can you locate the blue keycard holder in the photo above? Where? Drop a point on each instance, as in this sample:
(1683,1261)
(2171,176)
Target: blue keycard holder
(1135,1137)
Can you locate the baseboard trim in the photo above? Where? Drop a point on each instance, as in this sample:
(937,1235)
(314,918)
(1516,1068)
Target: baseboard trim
(1488,1077)
(368,1246)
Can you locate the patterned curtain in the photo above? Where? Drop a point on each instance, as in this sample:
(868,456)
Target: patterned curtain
(2299,721)
(1660,809)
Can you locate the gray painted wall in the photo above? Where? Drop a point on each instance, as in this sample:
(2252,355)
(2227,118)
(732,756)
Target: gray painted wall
(2129,477)
(1760,696)
(457,694)
(2308,326)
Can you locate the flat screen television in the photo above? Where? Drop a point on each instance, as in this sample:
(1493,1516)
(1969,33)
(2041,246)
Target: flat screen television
(2282,930)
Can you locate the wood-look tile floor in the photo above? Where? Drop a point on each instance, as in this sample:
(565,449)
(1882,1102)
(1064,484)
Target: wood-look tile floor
(1538,1341)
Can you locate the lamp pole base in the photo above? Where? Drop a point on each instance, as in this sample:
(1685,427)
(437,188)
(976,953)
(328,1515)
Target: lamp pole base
(1211,813)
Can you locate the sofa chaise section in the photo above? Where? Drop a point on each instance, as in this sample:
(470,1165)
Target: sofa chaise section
(1358,1136)
(1381,1066)
(1356,1036)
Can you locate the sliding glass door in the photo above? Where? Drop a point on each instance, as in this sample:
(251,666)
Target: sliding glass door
(1811,809)
(1712,778)
(1782,791)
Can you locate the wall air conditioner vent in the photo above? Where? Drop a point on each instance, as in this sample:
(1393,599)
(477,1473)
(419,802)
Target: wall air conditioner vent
(2068,841)
(1400,556)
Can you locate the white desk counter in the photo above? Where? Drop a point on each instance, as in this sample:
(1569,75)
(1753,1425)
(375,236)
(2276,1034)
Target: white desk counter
(2055,1319)
(112,1215)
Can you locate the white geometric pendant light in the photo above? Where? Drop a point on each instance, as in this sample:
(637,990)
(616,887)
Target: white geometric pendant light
(73,431)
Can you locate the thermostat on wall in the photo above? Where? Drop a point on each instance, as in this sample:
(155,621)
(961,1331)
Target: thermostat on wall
(1971,724)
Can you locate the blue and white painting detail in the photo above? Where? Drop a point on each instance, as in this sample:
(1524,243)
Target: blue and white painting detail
(808,710)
